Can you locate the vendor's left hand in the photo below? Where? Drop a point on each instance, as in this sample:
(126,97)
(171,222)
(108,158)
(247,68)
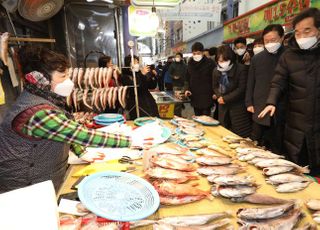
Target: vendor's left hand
(91,157)
(221,101)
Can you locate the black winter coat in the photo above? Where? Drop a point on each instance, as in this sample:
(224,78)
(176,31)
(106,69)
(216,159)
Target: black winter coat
(147,104)
(199,79)
(178,72)
(260,75)
(233,114)
(298,74)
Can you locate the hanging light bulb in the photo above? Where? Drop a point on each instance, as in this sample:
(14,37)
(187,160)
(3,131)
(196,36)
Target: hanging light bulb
(154,19)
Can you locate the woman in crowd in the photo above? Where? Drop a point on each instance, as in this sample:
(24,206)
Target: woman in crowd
(37,132)
(146,79)
(229,85)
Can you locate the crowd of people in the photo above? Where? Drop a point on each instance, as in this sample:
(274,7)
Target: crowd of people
(270,93)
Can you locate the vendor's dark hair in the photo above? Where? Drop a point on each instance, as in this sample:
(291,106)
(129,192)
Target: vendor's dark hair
(103,61)
(273,27)
(226,52)
(41,59)
(197,46)
(240,40)
(127,60)
(308,13)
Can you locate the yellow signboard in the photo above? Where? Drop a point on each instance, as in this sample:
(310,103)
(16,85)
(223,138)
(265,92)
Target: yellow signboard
(275,12)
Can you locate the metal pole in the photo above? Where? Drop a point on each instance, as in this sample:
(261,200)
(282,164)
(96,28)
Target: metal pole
(131,45)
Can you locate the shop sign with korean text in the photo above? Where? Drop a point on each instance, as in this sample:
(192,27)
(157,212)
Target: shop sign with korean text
(193,10)
(278,12)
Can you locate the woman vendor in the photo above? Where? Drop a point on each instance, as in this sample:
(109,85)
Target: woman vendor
(38,131)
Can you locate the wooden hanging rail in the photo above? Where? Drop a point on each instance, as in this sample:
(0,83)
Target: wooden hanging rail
(17,39)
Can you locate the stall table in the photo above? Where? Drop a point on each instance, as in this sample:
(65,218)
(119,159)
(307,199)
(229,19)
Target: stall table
(218,204)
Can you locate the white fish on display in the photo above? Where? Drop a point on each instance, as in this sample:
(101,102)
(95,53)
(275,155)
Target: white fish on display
(313,204)
(292,187)
(193,219)
(264,213)
(281,162)
(286,178)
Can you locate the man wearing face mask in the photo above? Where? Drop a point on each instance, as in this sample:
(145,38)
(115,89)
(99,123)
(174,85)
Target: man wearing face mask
(229,84)
(146,79)
(240,48)
(38,131)
(266,131)
(298,75)
(198,81)
(178,71)
(258,46)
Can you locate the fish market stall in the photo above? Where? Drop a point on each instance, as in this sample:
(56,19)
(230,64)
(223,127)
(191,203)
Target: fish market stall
(252,190)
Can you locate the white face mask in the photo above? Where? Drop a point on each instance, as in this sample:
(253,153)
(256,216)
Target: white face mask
(272,47)
(136,67)
(224,66)
(64,88)
(178,59)
(257,50)
(307,43)
(197,57)
(240,52)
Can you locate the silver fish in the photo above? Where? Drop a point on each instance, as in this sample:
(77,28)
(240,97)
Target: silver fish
(254,161)
(193,219)
(209,152)
(285,222)
(286,178)
(269,171)
(247,150)
(220,170)
(313,204)
(231,179)
(256,198)
(280,162)
(211,160)
(292,187)
(232,191)
(264,213)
